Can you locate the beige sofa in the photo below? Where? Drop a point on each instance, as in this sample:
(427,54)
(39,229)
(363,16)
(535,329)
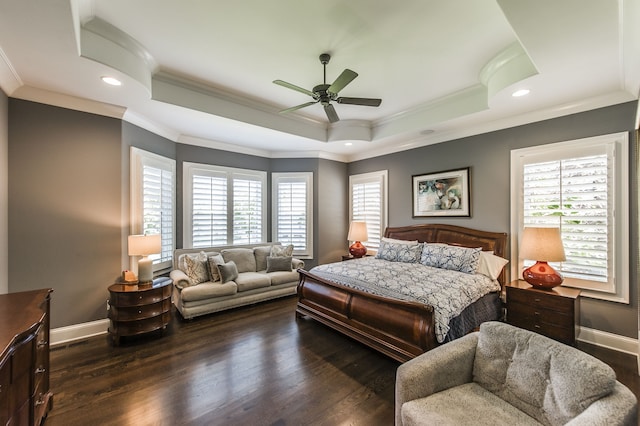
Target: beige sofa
(213,279)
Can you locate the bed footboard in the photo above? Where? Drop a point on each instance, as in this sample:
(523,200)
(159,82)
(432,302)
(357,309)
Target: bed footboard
(399,329)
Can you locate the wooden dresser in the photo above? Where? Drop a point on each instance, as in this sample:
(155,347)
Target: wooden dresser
(137,309)
(554,313)
(25,398)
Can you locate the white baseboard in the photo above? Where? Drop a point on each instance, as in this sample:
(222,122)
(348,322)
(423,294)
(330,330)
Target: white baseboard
(72,333)
(609,340)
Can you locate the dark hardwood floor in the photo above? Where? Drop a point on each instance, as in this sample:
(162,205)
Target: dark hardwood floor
(256,365)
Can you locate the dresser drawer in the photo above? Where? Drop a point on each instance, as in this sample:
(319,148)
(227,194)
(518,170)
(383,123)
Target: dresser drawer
(138,298)
(539,299)
(130,328)
(132,313)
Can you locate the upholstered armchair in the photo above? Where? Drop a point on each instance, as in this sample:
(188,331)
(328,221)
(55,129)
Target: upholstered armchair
(504,375)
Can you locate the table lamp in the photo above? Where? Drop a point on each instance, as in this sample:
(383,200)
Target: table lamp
(542,245)
(357,233)
(144,245)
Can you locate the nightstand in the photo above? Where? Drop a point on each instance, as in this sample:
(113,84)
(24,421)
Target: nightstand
(553,313)
(139,308)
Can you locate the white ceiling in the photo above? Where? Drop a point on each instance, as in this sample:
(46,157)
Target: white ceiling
(201,72)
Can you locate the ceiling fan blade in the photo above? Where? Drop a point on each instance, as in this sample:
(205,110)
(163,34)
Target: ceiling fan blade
(343,79)
(331,113)
(294,87)
(306,104)
(359,101)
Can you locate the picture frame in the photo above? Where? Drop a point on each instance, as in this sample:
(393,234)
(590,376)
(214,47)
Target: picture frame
(445,193)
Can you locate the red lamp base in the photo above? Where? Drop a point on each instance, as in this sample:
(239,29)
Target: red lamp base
(357,249)
(542,276)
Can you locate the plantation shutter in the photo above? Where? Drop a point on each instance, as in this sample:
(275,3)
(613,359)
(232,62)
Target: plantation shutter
(247,210)
(157,209)
(574,194)
(209,212)
(292,216)
(368,204)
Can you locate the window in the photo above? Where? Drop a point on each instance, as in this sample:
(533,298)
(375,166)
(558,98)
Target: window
(292,195)
(223,205)
(153,201)
(581,187)
(368,202)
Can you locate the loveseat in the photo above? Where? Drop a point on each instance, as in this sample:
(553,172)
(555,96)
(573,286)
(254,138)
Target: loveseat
(213,279)
(504,375)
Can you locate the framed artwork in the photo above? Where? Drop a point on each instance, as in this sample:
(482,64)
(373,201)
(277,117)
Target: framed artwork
(442,194)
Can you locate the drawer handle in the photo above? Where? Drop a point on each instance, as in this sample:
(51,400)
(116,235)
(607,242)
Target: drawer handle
(40,401)
(40,370)
(536,313)
(536,326)
(42,343)
(537,299)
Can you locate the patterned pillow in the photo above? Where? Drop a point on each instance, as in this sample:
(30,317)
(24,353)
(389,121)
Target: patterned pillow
(228,271)
(196,268)
(454,258)
(281,251)
(212,266)
(399,252)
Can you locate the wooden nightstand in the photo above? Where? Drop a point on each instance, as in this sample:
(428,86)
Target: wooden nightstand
(137,309)
(554,313)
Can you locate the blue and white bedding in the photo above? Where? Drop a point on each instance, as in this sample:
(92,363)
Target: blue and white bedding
(448,291)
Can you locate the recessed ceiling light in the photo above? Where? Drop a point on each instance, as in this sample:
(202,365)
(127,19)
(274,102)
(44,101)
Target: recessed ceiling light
(521,92)
(111,81)
(348,143)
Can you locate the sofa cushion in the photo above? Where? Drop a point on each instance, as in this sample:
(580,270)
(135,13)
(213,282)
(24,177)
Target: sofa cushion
(228,271)
(548,380)
(283,277)
(250,280)
(481,407)
(278,263)
(196,268)
(208,290)
(261,253)
(212,266)
(282,251)
(243,258)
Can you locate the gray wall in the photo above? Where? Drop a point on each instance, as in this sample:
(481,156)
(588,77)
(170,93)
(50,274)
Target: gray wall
(64,207)
(488,156)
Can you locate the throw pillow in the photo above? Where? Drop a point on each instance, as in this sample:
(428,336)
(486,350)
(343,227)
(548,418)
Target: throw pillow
(455,258)
(278,263)
(196,268)
(490,264)
(243,257)
(228,271)
(399,252)
(261,253)
(281,251)
(212,265)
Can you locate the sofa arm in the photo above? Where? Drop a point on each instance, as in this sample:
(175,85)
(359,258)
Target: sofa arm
(180,279)
(441,368)
(620,407)
(296,264)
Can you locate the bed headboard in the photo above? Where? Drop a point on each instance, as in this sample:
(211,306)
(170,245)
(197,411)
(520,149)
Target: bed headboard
(452,234)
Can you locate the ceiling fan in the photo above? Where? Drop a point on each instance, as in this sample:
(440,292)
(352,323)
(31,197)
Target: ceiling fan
(325,93)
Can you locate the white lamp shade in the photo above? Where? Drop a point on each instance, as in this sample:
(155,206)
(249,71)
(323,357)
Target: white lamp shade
(542,244)
(144,245)
(358,231)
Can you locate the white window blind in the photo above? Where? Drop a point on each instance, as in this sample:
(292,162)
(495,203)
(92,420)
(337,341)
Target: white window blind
(572,194)
(292,217)
(153,201)
(581,187)
(223,205)
(368,203)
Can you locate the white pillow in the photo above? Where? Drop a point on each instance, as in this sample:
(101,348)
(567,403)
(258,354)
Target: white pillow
(490,264)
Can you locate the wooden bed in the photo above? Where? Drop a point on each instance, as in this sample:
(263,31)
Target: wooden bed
(399,329)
